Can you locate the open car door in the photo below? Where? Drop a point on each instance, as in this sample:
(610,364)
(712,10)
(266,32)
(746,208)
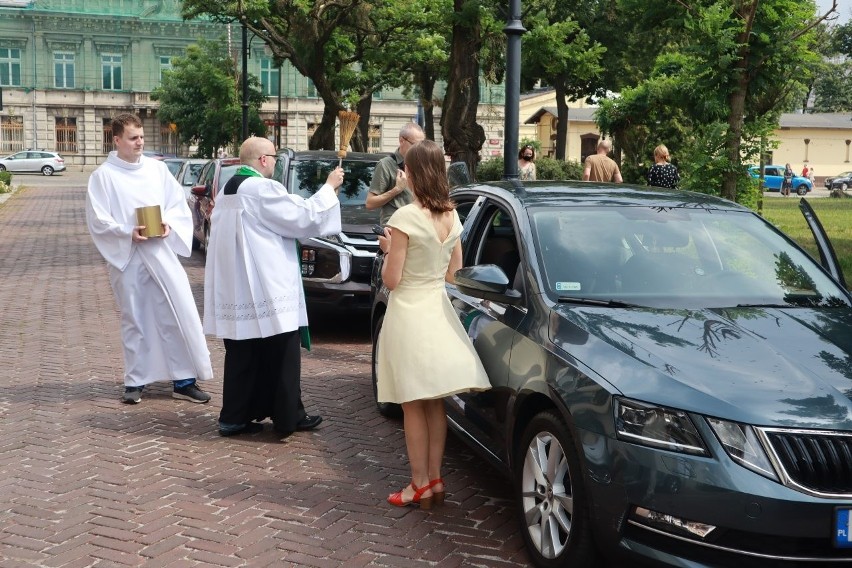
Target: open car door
(827,257)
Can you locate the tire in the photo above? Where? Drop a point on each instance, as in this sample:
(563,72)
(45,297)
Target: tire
(552,502)
(844,186)
(2,168)
(802,189)
(47,170)
(386,409)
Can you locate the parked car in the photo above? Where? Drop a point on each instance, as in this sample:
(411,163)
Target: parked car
(212,178)
(174,164)
(841,181)
(187,175)
(33,161)
(336,270)
(773,177)
(671,375)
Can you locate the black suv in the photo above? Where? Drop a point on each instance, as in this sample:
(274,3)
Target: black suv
(335,270)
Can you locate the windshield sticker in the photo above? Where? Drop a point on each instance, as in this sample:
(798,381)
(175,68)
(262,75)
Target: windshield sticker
(568,287)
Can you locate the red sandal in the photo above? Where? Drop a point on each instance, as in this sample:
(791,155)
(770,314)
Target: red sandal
(438,496)
(395,499)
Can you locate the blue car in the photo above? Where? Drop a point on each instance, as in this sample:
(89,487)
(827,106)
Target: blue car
(773,177)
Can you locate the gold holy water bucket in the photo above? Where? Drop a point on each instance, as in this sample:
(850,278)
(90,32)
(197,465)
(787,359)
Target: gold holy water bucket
(152,219)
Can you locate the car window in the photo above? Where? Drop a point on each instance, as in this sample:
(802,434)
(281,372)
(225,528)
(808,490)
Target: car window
(772,172)
(675,258)
(206,173)
(190,173)
(307,177)
(496,243)
(226,174)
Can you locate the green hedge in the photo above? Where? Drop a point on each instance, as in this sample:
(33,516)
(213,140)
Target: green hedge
(6,177)
(546,169)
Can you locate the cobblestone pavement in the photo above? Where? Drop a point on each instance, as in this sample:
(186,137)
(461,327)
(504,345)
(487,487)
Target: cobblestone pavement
(88,481)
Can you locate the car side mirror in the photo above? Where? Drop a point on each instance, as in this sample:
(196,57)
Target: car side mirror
(488,282)
(200,191)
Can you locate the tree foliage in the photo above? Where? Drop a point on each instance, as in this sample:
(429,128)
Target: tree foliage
(200,96)
(724,73)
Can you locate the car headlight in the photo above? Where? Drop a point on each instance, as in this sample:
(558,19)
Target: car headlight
(658,427)
(742,444)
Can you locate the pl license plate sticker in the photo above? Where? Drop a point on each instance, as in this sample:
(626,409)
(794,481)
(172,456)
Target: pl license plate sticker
(843,528)
(567,286)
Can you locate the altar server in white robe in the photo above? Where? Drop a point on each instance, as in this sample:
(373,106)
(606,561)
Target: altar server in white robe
(161,330)
(253,294)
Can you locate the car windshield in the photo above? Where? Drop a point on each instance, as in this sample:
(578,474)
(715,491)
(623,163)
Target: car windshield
(191,171)
(675,258)
(308,176)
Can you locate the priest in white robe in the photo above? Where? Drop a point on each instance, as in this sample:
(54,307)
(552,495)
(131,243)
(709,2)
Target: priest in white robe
(253,294)
(161,330)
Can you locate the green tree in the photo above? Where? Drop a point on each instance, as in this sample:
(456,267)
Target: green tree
(200,96)
(558,51)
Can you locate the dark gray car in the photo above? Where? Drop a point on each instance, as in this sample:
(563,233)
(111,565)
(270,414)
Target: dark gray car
(672,376)
(336,269)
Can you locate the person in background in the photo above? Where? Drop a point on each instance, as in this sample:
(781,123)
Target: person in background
(253,295)
(388,190)
(662,173)
(787,184)
(805,171)
(526,164)
(600,167)
(160,329)
(425,353)
(811,174)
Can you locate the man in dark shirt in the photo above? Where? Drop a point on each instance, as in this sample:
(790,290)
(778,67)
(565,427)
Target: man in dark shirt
(388,188)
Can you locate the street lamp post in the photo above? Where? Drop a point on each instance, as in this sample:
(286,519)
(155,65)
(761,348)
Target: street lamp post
(513,30)
(245,130)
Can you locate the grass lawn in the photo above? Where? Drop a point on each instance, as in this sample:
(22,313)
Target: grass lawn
(835,216)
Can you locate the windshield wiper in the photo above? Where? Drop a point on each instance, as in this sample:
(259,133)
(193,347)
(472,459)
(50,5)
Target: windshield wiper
(596,302)
(765,306)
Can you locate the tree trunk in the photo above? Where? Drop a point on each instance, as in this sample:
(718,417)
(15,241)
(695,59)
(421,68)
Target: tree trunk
(561,119)
(323,138)
(426,84)
(361,139)
(463,137)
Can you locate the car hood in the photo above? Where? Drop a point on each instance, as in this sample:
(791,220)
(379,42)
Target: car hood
(788,367)
(358,219)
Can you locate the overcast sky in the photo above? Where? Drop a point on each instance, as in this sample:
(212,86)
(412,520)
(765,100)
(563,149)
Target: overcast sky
(844,7)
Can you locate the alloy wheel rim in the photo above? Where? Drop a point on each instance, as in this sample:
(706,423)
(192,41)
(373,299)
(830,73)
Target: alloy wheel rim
(547,497)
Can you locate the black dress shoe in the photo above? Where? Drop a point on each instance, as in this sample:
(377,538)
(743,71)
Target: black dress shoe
(250,428)
(308,423)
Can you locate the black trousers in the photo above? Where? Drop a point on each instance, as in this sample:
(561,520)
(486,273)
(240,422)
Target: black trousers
(263,380)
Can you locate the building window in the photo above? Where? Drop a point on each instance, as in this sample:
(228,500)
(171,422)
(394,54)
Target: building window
(10,67)
(165,65)
(66,135)
(312,90)
(63,70)
(107,136)
(111,72)
(11,134)
(269,77)
(169,139)
(375,138)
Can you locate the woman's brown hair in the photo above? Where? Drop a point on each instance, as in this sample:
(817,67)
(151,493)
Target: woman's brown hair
(425,167)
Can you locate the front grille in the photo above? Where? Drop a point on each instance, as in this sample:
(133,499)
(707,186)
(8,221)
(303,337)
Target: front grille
(817,461)
(362,268)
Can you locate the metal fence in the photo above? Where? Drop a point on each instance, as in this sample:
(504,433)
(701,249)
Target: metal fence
(11,134)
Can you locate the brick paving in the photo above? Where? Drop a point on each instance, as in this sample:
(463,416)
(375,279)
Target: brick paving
(88,481)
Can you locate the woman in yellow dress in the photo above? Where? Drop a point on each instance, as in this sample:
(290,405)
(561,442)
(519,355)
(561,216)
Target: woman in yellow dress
(425,353)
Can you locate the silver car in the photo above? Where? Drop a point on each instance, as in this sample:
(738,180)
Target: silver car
(33,161)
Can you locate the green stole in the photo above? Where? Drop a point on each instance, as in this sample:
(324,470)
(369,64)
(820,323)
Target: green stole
(304,332)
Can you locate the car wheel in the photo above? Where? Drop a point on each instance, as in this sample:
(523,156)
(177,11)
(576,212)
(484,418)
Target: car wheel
(802,189)
(47,170)
(2,168)
(386,409)
(844,186)
(552,502)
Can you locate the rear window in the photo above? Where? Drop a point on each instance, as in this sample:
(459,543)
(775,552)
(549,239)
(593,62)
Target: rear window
(307,177)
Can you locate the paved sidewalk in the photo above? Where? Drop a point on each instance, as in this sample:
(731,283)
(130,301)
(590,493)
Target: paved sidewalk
(87,481)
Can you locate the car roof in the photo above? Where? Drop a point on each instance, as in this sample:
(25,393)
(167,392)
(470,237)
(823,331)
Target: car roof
(580,193)
(304,155)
